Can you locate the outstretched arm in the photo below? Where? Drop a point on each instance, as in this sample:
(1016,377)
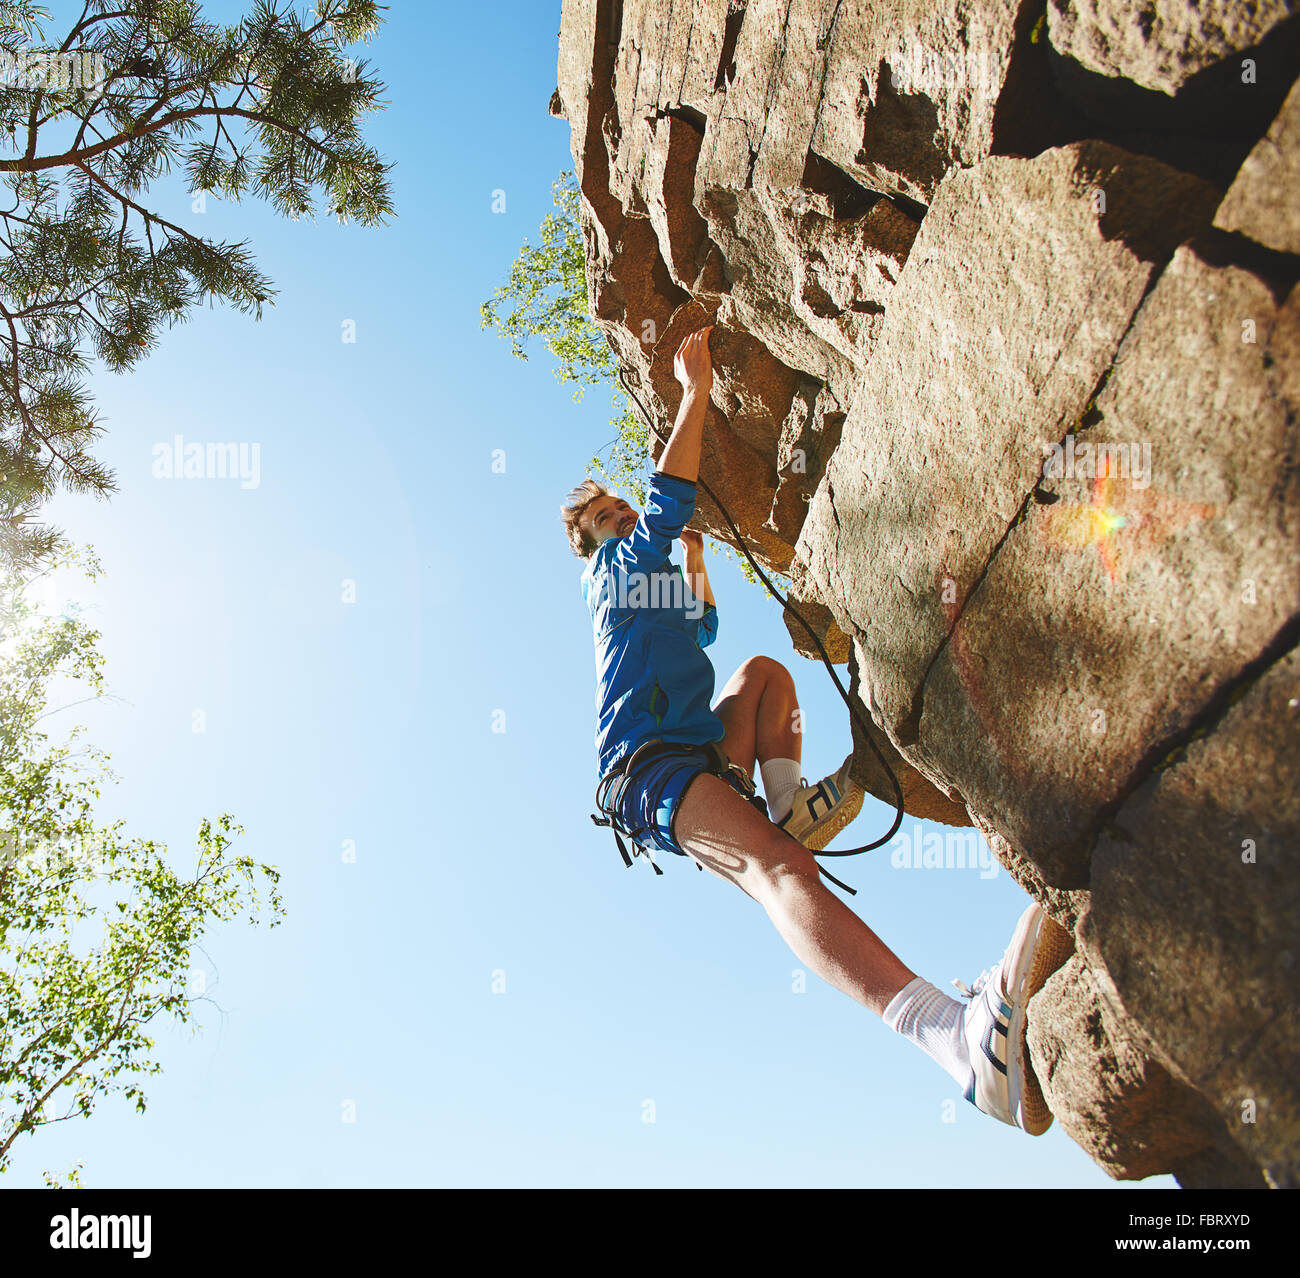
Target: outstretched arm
(694,369)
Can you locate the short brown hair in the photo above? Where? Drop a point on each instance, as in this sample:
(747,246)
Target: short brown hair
(575,506)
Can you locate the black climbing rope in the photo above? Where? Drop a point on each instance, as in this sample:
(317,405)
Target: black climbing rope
(789,607)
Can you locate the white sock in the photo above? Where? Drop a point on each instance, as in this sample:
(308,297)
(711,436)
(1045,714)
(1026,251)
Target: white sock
(933,1021)
(781,779)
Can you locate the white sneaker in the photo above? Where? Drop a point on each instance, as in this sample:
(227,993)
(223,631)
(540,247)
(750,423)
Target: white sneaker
(1003,1084)
(819,812)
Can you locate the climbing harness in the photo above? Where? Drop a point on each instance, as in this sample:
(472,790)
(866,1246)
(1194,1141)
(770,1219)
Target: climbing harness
(613,786)
(789,607)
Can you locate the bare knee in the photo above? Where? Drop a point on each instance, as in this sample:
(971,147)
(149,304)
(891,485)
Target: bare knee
(762,872)
(776,863)
(765,670)
(771,860)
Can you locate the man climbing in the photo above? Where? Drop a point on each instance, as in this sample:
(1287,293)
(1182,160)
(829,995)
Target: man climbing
(676,774)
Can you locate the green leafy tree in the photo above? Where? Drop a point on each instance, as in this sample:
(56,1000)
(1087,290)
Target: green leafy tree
(545,296)
(135,90)
(98,932)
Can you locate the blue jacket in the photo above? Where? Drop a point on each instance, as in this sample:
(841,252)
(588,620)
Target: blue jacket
(652,677)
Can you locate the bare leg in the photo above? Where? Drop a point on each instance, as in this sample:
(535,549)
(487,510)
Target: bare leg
(758,708)
(734,841)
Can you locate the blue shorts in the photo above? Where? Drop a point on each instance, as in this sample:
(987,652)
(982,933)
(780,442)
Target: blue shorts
(654,794)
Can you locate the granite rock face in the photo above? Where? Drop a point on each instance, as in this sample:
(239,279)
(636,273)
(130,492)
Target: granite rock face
(1160,44)
(1007,380)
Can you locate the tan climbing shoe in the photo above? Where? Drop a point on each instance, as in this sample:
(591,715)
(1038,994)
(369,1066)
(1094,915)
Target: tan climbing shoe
(819,812)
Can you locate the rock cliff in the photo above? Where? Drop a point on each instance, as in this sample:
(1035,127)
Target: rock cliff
(1008,382)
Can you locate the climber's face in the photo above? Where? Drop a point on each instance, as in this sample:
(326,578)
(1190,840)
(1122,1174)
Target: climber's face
(608,517)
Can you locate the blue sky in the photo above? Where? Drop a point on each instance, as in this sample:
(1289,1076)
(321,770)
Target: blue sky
(371,721)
